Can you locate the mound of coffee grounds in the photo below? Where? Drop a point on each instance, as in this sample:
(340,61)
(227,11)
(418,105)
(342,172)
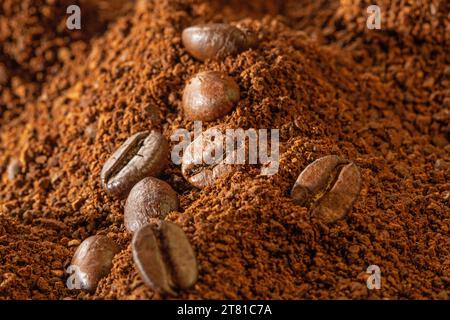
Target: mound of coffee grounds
(250,239)
(35,43)
(424,20)
(414,64)
(32,260)
(409,53)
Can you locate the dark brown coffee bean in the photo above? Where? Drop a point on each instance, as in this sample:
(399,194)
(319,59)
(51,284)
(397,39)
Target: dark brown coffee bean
(150,198)
(209,95)
(329,186)
(201,165)
(143,154)
(216,41)
(92,261)
(164,257)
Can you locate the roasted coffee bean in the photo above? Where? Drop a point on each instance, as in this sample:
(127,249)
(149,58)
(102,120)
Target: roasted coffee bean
(91,262)
(164,257)
(143,154)
(216,41)
(205,160)
(329,186)
(209,95)
(150,198)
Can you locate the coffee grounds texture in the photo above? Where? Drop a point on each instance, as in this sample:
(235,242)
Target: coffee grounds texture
(336,92)
(35,43)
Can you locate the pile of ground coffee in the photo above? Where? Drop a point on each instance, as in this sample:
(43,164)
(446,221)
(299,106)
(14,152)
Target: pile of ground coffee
(250,239)
(414,65)
(35,42)
(32,260)
(426,20)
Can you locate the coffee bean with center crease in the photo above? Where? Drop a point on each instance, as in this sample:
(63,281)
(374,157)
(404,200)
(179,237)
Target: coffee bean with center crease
(216,41)
(201,164)
(92,261)
(143,154)
(149,199)
(329,186)
(164,257)
(209,95)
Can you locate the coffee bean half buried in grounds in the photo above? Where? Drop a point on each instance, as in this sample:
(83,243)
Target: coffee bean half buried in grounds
(216,41)
(209,95)
(143,154)
(150,198)
(205,160)
(164,257)
(329,186)
(92,261)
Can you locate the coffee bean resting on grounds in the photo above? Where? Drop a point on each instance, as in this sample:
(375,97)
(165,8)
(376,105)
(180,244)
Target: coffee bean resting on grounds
(142,155)
(164,257)
(91,261)
(329,186)
(202,171)
(209,95)
(249,237)
(149,199)
(216,41)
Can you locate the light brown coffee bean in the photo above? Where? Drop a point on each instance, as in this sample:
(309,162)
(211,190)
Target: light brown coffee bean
(216,41)
(205,160)
(164,257)
(143,154)
(149,199)
(329,186)
(209,95)
(92,261)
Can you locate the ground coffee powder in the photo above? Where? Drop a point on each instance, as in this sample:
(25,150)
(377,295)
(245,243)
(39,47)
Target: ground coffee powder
(360,94)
